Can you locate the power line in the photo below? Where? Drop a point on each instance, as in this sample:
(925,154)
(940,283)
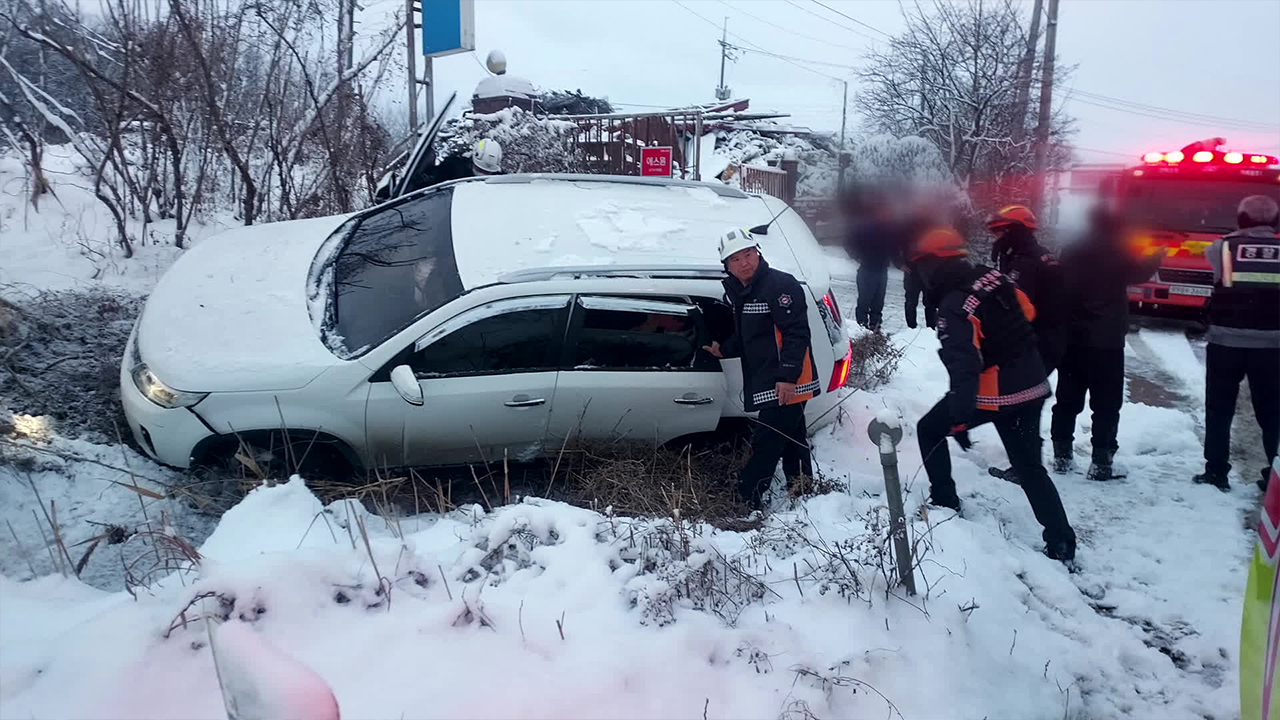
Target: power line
(1181,113)
(797,59)
(1170,116)
(850,17)
(758,49)
(787,30)
(824,18)
(1103,152)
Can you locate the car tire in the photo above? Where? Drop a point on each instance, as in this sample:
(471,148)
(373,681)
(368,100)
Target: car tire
(228,469)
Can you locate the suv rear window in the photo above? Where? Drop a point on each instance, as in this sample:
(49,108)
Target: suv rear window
(397,264)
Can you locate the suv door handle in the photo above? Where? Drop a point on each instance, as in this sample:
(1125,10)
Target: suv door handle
(524,401)
(691,399)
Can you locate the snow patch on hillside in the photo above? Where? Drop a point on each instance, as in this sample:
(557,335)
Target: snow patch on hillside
(68,241)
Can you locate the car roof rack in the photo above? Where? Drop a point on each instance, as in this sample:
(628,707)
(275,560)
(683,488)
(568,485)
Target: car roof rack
(633,271)
(719,189)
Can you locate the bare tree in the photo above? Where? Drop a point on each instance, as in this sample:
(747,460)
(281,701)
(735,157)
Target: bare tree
(952,77)
(192,105)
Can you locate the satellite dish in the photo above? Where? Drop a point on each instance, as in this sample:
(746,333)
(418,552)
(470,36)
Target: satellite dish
(496,62)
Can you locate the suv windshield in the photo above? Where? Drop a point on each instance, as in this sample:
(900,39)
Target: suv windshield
(1188,205)
(396,265)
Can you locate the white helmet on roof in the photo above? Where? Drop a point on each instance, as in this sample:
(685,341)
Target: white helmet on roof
(487,156)
(736,241)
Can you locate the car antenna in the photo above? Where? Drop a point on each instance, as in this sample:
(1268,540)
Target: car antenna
(764,229)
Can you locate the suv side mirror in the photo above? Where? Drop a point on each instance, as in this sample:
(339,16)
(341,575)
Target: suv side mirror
(406,383)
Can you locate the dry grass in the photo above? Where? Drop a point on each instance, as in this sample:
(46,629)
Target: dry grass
(638,480)
(875,361)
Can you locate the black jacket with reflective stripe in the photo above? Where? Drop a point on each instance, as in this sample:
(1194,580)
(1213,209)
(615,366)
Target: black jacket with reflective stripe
(1038,274)
(771,335)
(988,345)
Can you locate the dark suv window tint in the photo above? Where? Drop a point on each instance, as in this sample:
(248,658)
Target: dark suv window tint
(515,341)
(617,339)
(397,265)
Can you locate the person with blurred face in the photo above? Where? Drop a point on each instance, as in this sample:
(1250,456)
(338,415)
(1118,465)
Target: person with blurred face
(779,374)
(1244,335)
(1097,272)
(870,244)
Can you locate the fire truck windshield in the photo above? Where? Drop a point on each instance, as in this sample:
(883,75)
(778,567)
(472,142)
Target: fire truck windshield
(1189,205)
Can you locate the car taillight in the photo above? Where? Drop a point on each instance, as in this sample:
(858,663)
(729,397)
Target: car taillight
(840,373)
(830,301)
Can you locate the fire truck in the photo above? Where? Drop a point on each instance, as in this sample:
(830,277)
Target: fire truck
(1183,200)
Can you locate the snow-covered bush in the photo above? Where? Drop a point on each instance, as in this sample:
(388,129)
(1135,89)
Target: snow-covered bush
(819,166)
(530,144)
(668,564)
(908,159)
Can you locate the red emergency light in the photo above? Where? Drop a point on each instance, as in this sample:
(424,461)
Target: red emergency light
(1208,157)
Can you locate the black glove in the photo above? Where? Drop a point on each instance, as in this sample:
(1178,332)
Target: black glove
(961,434)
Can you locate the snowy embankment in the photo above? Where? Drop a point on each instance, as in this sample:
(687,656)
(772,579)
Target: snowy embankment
(539,609)
(70,240)
(573,613)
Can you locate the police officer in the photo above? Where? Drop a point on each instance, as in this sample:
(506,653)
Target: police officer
(1244,335)
(997,376)
(779,375)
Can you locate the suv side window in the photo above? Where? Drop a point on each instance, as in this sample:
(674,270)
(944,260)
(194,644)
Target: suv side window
(635,334)
(507,336)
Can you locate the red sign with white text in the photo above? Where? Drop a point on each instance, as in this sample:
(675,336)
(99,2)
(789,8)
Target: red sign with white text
(655,162)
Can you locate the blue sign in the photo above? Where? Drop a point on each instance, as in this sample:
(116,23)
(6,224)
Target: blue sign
(448,27)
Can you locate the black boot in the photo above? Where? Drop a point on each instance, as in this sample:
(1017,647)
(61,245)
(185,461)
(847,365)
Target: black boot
(1064,460)
(951,503)
(1216,479)
(1006,474)
(1101,468)
(1063,550)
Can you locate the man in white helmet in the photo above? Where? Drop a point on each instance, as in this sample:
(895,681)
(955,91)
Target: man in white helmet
(486,158)
(779,375)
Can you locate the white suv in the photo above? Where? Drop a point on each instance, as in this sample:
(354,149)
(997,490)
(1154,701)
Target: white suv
(481,319)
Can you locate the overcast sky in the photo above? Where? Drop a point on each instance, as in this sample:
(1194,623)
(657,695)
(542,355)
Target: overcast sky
(1207,57)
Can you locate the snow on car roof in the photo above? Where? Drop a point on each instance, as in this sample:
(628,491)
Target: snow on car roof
(515,224)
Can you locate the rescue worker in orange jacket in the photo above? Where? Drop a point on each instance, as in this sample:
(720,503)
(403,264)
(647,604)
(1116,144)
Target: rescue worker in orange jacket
(997,376)
(1020,257)
(779,374)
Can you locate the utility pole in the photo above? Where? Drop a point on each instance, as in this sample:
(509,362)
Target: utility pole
(411,66)
(1025,66)
(843,156)
(1046,104)
(429,81)
(844,113)
(722,92)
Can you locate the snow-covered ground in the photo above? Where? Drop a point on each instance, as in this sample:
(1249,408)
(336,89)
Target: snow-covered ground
(539,609)
(70,240)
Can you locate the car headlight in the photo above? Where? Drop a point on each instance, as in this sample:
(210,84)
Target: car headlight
(157,392)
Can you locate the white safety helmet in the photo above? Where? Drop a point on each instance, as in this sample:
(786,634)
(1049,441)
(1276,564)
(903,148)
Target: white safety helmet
(487,157)
(735,241)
